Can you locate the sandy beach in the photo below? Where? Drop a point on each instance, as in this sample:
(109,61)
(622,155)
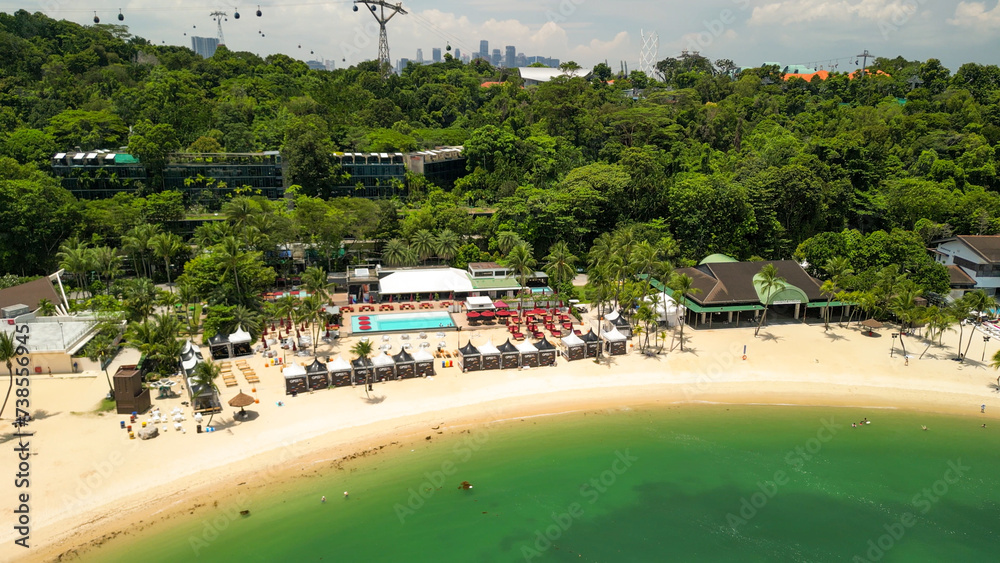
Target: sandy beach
(90,483)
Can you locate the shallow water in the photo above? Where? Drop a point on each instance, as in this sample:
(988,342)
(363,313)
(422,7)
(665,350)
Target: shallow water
(689,483)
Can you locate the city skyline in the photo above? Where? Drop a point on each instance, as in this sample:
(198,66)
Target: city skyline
(789,31)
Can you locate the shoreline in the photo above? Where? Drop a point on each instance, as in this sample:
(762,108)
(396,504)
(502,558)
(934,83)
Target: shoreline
(795,366)
(107,526)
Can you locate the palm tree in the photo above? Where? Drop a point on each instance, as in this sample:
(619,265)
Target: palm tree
(166,246)
(904,306)
(205,374)
(100,348)
(979,303)
(645,263)
(520,260)
(109,264)
(423,244)
(139,296)
(507,240)
(212,233)
(135,243)
(239,211)
(8,351)
(312,310)
(446,244)
(245,318)
(314,280)
(362,350)
(46,308)
(395,252)
(769,281)
(838,268)
(77,259)
(683,285)
(560,263)
(830,290)
(995,364)
(231,256)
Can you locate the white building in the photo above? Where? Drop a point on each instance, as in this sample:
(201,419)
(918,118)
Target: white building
(970,258)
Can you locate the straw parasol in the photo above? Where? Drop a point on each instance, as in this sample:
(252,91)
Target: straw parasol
(241,400)
(872,324)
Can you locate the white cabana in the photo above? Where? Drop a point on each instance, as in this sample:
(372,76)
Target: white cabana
(296,380)
(614,342)
(529,354)
(385,367)
(667,310)
(239,337)
(491,355)
(481,303)
(573,347)
(293,370)
(424,362)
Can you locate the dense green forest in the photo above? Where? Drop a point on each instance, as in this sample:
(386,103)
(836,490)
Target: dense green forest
(708,159)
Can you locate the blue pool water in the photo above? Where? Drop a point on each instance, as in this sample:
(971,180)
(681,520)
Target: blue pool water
(403,322)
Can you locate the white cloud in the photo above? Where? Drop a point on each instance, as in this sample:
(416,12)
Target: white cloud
(788,12)
(975,16)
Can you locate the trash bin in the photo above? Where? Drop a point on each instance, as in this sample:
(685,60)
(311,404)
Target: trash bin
(199,429)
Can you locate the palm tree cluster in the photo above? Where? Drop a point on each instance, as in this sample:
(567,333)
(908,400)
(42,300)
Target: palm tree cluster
(622,268)
(421,247)
(81,260)
(157,340)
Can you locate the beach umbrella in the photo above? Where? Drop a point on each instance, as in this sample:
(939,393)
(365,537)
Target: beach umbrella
(487,314)
(872,324)
(472,315)
(241,400)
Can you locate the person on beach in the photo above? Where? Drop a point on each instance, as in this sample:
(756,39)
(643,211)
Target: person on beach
(345,494)
(322,498)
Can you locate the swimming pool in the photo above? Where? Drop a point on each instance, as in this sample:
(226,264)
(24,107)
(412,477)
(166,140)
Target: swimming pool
(401,322)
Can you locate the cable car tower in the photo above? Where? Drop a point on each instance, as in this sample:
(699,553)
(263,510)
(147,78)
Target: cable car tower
(379,9)
(218,17)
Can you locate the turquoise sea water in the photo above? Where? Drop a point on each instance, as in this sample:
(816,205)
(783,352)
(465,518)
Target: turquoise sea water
(690,483)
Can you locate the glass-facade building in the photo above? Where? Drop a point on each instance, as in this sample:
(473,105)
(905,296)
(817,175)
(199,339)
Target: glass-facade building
(209,178)
(98,174)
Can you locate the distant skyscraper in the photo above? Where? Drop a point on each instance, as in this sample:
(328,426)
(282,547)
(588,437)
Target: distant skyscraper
(402,65)
(420,55)
(204,46)
(484,49)
(496,57)
(521,60)
(510,58)
(436,54)
(458,53)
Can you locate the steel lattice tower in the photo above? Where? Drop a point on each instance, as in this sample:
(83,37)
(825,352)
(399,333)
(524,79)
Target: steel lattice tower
(218,17)
(649,52)
(379,9)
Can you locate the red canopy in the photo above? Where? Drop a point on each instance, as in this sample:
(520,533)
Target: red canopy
(487,313)
(472,314)
(500,305)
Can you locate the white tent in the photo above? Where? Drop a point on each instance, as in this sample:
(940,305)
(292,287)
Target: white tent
(422,355)
(572,340)
(489,349)
(613,336)
(188,365)
(526,348)
(338,365)
(239,337)
(479,303)
(383,360)
(293,370)
(667,310)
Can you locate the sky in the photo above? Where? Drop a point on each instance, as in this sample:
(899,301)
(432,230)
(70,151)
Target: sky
(819,33)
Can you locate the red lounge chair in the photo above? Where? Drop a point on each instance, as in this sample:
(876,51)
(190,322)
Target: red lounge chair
(538,335)
(578,332)
(518,336)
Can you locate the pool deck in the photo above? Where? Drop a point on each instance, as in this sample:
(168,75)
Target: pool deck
(460,322)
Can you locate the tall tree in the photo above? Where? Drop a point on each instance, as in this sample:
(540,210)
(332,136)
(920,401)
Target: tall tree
(8,351)
(166,246)
(683,285)
(769,283)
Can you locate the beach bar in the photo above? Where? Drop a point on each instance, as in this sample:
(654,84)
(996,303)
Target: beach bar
(469,358)
(385,368)
(491,355)
(573,348)
(592,344)
(529,354)
(405,366)
(510,356)
(318,375)
(424,363)
(239,343)
(295,379)
(614,342)
(546,353)
(340,372)
(129,395)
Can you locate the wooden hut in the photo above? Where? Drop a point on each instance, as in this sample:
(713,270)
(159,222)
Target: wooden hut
(239,343)
(340,372)
(573,348)
(219,347)
(318,375)
(296,379)
(510,356)
(491,355)
(614,342)
(529,354)
(129,395)
(361,370)
(546,353)
(592,344)
(405,366)
(424,363)
(385,368)
(469,358)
